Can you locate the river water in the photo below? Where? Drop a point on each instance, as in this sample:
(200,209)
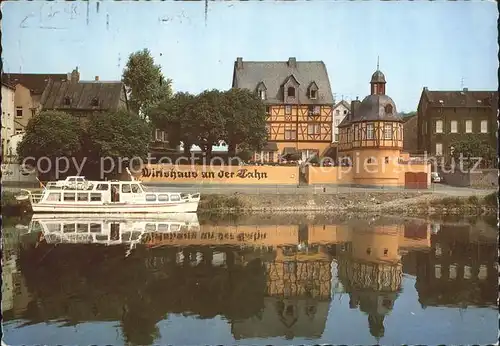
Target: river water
(253,280)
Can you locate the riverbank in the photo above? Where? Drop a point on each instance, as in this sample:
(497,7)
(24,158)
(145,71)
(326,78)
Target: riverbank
(388,203)
(405,203)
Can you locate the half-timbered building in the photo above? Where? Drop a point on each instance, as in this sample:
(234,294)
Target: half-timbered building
(372,135)
(298,100)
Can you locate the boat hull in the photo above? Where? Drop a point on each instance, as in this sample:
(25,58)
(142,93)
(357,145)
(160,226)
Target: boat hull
(113,208)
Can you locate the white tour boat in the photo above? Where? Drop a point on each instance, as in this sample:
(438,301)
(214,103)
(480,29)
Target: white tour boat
(78,195)
(116,230)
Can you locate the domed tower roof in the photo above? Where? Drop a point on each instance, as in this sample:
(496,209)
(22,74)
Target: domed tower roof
(376,107)
(378,77)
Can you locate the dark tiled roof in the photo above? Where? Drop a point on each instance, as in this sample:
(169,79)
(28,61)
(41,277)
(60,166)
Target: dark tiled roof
(289,150)
(274,74)
(344,103)
(373,108)
(461,98)
(270,146)
(7,85)
(33,81)
(378,77)
(82,94)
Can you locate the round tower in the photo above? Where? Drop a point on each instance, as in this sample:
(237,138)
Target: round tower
(371,138)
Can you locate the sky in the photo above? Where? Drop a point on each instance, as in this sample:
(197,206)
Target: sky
(442,45)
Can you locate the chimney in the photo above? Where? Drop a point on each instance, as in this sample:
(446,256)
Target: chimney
(466,89)
(292,62)
(75,76)
(239,63)
(354,106)
(426,89)
(97,78)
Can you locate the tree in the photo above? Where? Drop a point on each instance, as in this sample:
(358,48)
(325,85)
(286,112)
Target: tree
(50,135)
(470,147)
(206,117)
(245,120)
(116,136)
(145,82)
(172,117)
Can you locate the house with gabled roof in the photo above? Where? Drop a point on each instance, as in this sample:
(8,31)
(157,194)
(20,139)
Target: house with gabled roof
(298,100)
(29,88)
(81,98)
(444,116)
(340,111)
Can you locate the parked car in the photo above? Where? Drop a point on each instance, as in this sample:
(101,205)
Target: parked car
(436,178)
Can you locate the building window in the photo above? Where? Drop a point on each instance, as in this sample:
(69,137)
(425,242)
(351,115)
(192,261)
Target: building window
(345,112)
(288,110)
(386,252)
(388,109)
(386,159)
(313,94)
(453,126)
(33,112)
(158,135)
(67,100)
(290,135)
(19,131)
(95,102)
(262,94)
(439,149)
(268,130)
(271,156)
(337,112)
(388,131)
(337,122)
(369,131)
(484,126)
(19,112)
(313,129)
(355,132)
(291,92)
(336,137)
(314,110)
(439,126)
(268,110)
(468,126)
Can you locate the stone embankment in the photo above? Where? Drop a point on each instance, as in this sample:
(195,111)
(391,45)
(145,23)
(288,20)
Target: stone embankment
(398,203)
(387,203)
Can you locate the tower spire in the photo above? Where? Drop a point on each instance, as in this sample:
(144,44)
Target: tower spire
(378,60)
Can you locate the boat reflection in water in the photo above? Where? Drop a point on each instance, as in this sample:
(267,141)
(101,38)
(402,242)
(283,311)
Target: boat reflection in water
(266,280)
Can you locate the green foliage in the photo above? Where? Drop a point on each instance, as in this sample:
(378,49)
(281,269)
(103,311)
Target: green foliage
(235,116)
(491,199)
(145,82)
(245,155)
(245,116)
(221,202)
(50,134)
(119,134)
(407,114)
(471,146)
(473,199)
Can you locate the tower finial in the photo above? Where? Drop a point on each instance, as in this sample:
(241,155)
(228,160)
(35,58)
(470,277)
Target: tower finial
(377,62)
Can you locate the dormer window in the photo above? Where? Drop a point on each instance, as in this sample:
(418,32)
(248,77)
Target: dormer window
(261,90)
(313,91)
(291,92)
(67,101)
(262,94)
(388,109)
(95,102)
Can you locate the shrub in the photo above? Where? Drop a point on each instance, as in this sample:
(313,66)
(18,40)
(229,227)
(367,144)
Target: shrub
(473,200)
(491,199)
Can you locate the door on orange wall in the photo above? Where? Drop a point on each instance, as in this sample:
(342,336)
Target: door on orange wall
(415,180)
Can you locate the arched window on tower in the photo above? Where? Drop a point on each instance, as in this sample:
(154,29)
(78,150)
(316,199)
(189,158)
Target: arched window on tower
(291,92)
(388,109)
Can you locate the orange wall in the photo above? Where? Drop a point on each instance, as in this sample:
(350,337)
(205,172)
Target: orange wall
(392,175)
(187,174)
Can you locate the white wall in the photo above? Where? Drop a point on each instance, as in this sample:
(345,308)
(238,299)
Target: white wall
(339,112)
(8,110)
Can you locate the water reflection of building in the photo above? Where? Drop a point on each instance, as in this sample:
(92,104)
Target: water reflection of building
(461,268)
(370,268)
(15,296)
